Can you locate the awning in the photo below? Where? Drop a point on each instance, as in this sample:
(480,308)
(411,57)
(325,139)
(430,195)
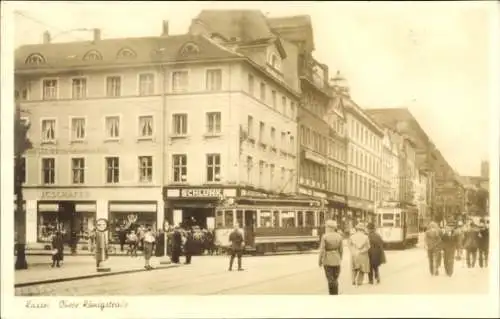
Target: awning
(132,208)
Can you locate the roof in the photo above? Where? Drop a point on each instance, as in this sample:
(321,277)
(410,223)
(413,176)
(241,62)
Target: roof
(294,28)
(146,49)
(244,25)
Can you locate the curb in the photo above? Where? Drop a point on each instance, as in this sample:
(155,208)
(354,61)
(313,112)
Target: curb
(93,275)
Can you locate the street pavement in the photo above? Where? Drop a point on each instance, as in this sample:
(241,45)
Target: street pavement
(406,272)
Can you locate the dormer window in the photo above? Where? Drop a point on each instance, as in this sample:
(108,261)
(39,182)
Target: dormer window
(92,56)
(275,62)
(35,58)
(189,48)
(126,54)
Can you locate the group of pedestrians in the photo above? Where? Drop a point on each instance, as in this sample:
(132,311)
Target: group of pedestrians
(366,249)
(446,244)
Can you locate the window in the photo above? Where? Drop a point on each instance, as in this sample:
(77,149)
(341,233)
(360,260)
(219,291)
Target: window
(287,219)
(179,81)
(48,130)
(249,169)
(273,136)
(125,53)
(22,170)
(263,92)
(146,84)
(79,88)
(112,170)
(213,122)
(48,171)
(35,59)
(273,96)
(271,175)
(283,140)
(49,89)
(112,127)
(214,80)
(292,144)
(145,169)
(292,110)
(180,168)
(283,172)
(261,172)
(262,128)
(113,86)
(78,170)
(275,62)
(309,219)
(283,105)
(179,124)
(146,126)
(78,129)
(250,126)
(26,91)
(213,168)
(92,56)
(251,84)
(265,218)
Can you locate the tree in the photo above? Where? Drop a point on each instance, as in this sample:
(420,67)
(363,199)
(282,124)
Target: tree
(21,145)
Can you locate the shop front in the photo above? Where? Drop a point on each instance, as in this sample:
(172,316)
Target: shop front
(359,211)
(337,207)
(74,211)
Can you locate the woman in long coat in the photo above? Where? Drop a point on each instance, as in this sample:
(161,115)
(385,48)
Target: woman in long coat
(58,249)
(376,253)
(176,245)
(359,244)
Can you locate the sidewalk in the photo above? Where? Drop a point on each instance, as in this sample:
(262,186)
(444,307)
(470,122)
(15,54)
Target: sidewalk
(78,267)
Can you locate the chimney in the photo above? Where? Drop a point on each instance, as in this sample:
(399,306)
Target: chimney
(164,32)
(97,34)
(46,37)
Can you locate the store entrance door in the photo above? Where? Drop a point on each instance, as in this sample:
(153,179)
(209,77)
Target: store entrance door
(196,217)
(68,223)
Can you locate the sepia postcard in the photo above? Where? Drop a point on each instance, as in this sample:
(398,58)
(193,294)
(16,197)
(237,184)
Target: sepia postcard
(249,159)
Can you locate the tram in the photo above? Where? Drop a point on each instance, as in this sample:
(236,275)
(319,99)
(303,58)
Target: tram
(398,224)
(271,226)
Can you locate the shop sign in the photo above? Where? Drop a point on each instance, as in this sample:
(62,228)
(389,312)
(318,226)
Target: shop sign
(51,195)
(337,198)
(202,192)
(246,192)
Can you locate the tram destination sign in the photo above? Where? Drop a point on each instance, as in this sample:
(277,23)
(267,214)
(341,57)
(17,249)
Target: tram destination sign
(201,192)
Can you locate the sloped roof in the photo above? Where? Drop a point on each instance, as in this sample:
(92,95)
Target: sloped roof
(288,28)
(246,25)
(70,54)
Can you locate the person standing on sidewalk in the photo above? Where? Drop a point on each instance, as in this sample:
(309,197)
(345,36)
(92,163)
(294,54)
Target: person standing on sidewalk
(237,246)
(57,249)
(471,244)
(432,242)
(132,242)
(359,244)
(189,246)
(449,245)
(460,240)
(149,240)
(483,244)
(375,253)
(176,244)
(330,255)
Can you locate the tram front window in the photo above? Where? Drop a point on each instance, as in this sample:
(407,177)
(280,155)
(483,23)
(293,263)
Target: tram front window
(265,219)
(228,218)
(309,219)
(288,219)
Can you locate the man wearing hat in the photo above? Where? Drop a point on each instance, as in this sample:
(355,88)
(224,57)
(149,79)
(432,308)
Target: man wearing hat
(449,240)
(330,255)
(376,253)
(359,245)
(483,243)
(471,243)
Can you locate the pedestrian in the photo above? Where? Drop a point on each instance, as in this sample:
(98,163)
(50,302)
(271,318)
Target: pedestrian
(176,244)
(359,244)
(122,236)
(460,240)
(148,240)
(471,238)
(330,255)
(376,254)
(132,243)
(449,240)
(57,249)
(189,246)
(209,242)
(483,244)
(92,235)
(237,246)
(432,242)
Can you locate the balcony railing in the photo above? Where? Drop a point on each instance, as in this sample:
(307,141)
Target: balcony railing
(315,72)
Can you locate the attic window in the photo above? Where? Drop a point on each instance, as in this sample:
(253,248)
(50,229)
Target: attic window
(92,56)
(126,54)
(35,58)
(189,48)
(275,62)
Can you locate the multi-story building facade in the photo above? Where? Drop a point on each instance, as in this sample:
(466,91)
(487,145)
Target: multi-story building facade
(321,120)
(364,147)
(389,169)
(155,128)
(420,198)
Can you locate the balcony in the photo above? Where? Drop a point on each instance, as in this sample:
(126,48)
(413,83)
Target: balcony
(315,73)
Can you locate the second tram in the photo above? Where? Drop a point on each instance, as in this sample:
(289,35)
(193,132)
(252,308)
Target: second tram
(398,225)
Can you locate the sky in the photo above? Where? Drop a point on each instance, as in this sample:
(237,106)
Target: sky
(433,58)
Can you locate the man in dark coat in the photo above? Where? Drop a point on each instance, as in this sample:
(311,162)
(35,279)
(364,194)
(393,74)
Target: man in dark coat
(433,247)
(189,246)
(375,253)
(449,240)
(471,244)
(236,239)
(176,245)
(58,249)
(483,244)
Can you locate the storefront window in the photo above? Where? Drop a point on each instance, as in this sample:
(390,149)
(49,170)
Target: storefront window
(265,218)
(239,218)
(300,219)
(123,220)
(47,225)
(228,218)
(276,219)
(287,219)
(309,219)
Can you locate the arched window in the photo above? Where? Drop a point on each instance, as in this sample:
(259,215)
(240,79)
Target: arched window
(92,56)
(35,58)
(189,48)
(126,53)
